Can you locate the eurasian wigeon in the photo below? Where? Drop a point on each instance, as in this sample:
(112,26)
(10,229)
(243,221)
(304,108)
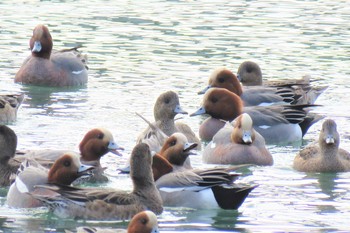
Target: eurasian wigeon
(165,109)
(51,68)
(180,185)
(96,143)
(280,124)
(240,144)
(143,222)
(176,149)
(249,74)
(252,96)
(8,165)
(64,171)
(9,104)
(324,155)
(108,204)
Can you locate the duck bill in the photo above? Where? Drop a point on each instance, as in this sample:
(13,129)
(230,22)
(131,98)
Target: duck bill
(113,148)
(179,110)
(204,90)
(247,137)
(85,169)
(200,111)
(189,146)
(37,47)
(329,139)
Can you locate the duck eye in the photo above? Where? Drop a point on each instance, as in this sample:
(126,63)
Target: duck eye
(66,163)
(143,221)
(214,100)
(167,100)
(221,80)
(173,143)
(100,136)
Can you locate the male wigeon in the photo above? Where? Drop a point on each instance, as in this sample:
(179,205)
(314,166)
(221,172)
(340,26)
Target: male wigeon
(64,171)
(324,155)
(143,222)
(8,165)
(249,74)
(252,96)
(180,185)
(277,124)
(240,144)
(108,204)
(9,104)
(165,109)
(96,143)
(48,68)
(176,149)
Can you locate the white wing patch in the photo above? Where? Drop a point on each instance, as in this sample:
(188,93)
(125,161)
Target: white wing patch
(264,126)
(77,72)
(21,186)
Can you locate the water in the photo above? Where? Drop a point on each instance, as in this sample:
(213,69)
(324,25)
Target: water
(139,49)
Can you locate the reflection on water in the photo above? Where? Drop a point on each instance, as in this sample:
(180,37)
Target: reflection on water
(140,49)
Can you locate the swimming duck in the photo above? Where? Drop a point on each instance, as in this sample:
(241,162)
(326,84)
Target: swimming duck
(143,222)
(9,105)
(108,204)
(8,165)
(65,170)
(251,96)
(48,68)
(249,74)
(96,143)
(240,144)
(324,155)
(165,109)
(180,185)
(277,124)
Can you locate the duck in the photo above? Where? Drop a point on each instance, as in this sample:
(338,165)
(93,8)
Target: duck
(181,185)
(249,74)
(324,155)
(109,204)
(165,109)
(278,124)
(8,165)
(96,143)
(143,222)
(45,67)
(251,96)
(240,144)
(65,170)
(9,104)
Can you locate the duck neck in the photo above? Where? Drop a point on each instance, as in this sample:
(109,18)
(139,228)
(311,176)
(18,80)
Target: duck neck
(168,126)
(147,191)
(329,151)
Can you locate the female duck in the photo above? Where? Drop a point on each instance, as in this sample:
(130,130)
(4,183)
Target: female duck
(9,105)
(238,145)
(249,74)
(165,109)
(324,156)
(48,68)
